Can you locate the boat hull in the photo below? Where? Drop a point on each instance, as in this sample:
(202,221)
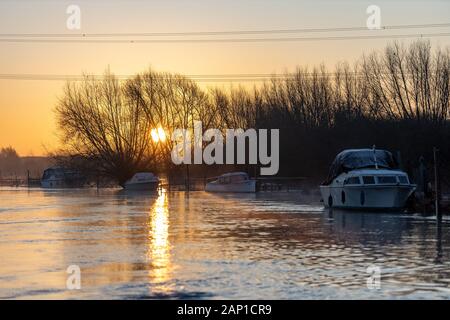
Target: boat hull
(241,187)
(62,184)
(363,197)
(53,183)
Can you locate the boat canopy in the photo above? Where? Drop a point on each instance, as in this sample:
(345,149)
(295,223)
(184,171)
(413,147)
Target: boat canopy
(233,177)
(142,176)
(60,172)
(353,159)
(230,174)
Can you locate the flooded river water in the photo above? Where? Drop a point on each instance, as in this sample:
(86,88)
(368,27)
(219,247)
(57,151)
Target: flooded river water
(207,246)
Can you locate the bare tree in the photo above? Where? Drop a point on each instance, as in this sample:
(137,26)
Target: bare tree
(170,102)
(10,162)
(106,127)
(410,84)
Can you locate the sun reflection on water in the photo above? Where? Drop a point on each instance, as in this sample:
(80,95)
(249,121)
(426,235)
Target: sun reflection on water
(159,245)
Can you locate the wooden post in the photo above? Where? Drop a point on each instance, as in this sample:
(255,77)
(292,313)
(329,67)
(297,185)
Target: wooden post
(28,178)
(422,183)
(187,178)
(437,187)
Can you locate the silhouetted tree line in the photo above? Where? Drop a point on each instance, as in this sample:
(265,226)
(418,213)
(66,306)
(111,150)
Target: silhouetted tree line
(397,99)
(12,165)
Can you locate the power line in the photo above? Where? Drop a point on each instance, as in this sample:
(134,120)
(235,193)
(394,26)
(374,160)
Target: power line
(197,80)
(218,33)
(253,77)
(232,75)
(204,78)
(230,40)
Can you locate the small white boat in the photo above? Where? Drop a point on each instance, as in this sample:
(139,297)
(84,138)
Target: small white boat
(366,179)
(142,181)
(59,177)
(53,178)
(232,182)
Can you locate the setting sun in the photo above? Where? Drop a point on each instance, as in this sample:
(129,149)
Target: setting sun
(158,135)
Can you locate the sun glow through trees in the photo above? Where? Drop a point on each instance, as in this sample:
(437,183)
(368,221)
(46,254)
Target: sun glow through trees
(158,135)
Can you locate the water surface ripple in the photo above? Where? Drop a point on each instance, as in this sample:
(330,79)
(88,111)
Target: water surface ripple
(207,246)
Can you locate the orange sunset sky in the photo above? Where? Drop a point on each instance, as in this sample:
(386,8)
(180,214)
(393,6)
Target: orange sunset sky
(26,106)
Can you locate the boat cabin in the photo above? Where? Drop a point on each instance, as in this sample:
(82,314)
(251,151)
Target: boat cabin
(375,177)
(143,176)
(59,177)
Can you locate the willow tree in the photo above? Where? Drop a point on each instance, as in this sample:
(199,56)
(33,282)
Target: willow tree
(105,127)
(170,101)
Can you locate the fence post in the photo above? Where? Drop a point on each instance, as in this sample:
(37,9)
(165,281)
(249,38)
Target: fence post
(188,178)
(437,187)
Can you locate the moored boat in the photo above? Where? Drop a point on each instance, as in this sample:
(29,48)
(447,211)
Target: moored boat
(59,177)
(232,182)
(142,181)
(366,179)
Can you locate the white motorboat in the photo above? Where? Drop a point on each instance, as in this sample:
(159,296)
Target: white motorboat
(59,177)
(232,182)
(142,181)
(53,178)
(366,179)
